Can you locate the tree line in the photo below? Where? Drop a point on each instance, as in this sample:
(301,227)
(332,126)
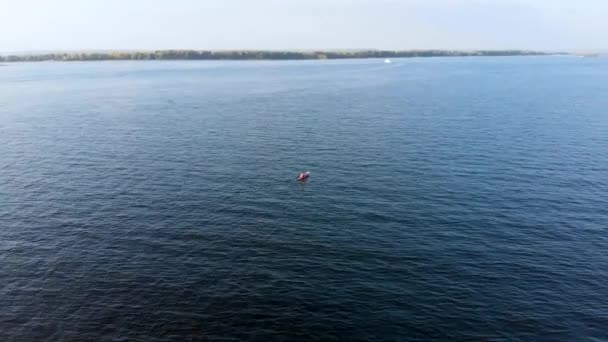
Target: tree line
(252,55)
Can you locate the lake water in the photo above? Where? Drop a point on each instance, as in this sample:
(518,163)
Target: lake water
(450,199)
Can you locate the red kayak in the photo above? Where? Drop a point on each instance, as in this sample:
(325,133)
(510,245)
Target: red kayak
(303,176)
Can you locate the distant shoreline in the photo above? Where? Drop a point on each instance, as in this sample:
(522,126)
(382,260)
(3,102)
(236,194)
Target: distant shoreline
(256,55)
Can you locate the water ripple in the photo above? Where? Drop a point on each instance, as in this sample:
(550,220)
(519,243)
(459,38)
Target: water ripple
(450,199)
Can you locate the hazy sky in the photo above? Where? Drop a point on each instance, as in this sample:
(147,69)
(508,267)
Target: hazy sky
(27,25)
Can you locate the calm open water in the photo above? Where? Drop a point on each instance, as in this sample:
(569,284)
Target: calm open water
(450,199)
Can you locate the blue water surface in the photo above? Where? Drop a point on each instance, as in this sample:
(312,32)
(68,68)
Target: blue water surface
(450,199)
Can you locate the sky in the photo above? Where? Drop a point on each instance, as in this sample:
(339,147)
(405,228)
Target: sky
(43,25)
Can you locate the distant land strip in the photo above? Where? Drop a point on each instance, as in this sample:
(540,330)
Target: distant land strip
(253,55)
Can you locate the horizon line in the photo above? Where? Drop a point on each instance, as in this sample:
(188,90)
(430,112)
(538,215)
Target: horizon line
(303,50)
